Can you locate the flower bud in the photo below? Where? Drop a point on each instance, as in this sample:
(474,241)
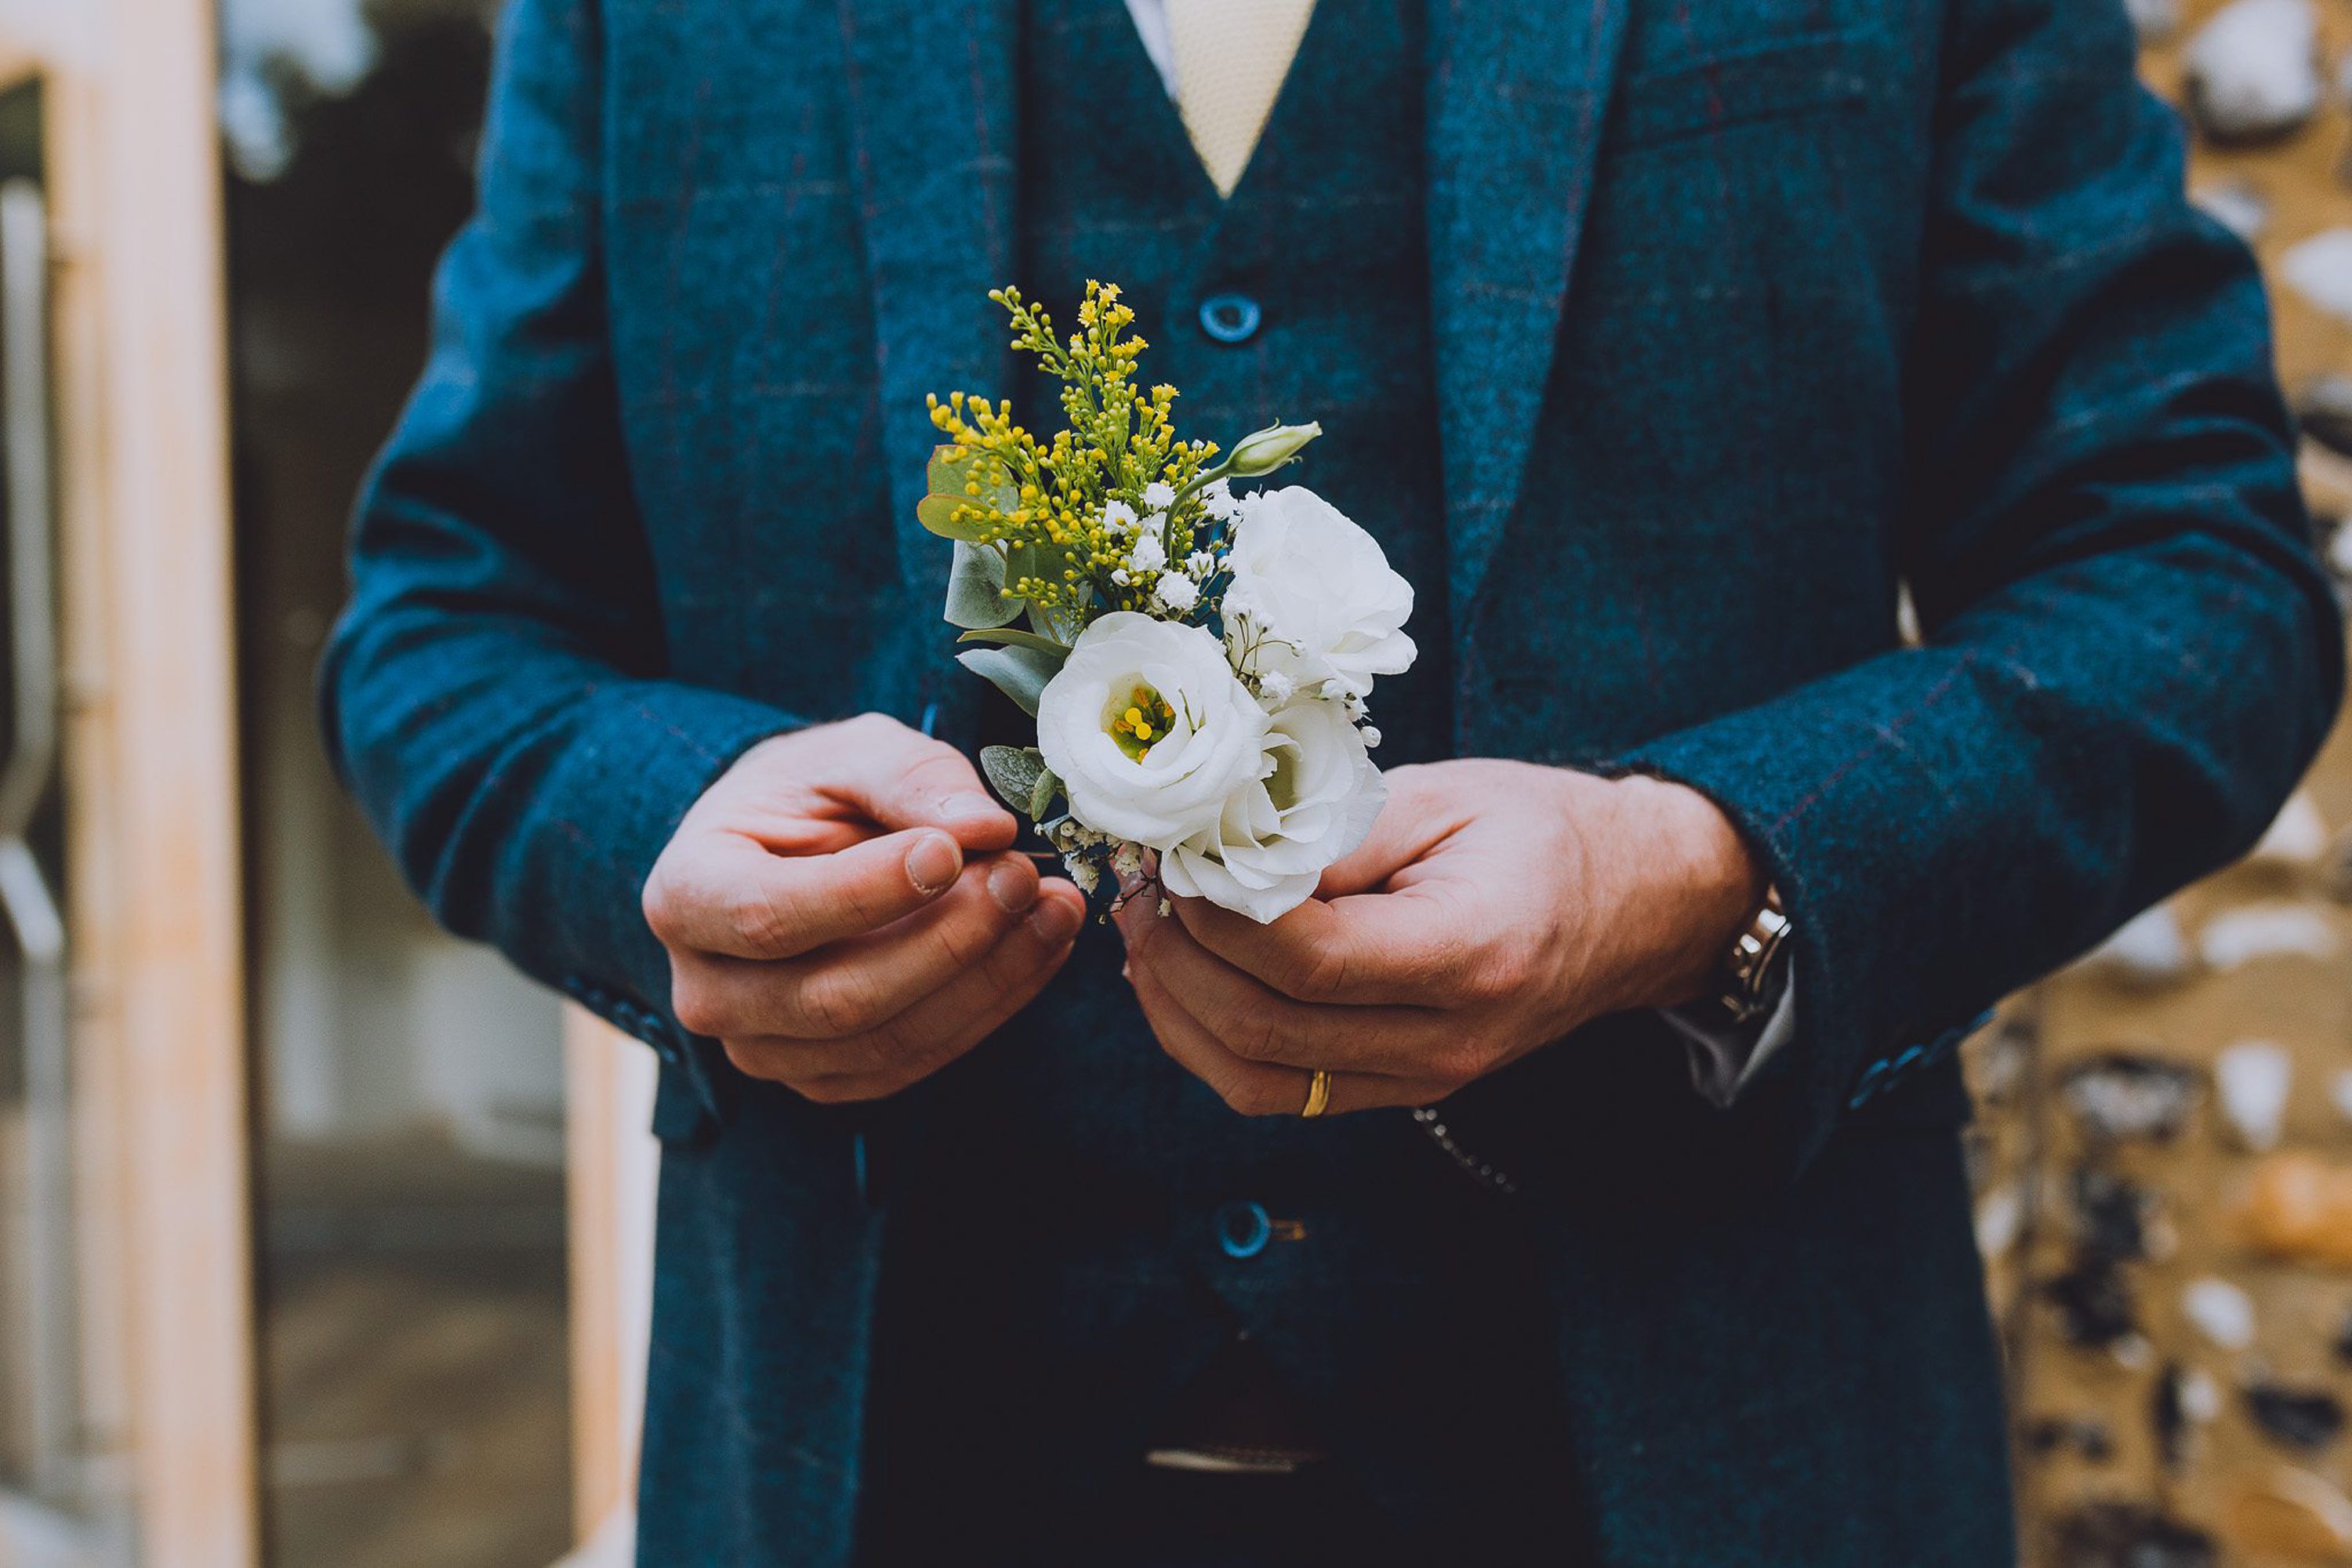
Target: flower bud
(1263,451)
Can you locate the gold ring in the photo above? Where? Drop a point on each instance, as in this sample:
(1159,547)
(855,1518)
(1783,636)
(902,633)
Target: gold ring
(1318,1094)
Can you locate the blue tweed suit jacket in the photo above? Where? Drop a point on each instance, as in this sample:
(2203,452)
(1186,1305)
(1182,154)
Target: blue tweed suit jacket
(1745,313)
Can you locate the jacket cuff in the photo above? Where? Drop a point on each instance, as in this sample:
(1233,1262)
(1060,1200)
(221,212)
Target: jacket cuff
(644,754)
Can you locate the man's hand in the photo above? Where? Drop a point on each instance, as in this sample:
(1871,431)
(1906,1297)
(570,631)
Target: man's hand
(1496,907)
(841,914)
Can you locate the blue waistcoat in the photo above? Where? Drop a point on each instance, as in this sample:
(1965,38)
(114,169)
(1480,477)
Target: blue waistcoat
(1734,316)
(1071,1152)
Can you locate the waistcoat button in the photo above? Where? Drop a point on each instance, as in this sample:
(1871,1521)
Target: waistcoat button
(1244,1230)
(1230,318)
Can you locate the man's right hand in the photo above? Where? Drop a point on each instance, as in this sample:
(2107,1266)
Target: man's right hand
(841,911)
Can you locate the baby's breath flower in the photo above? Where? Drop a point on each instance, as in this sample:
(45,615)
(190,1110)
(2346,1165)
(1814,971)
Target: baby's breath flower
(1119,518)
(1200,563)
(1159,494)
(1371,734)
(1177,594)
(1149,554)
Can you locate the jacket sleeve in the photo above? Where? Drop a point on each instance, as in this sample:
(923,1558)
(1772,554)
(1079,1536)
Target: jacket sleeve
(494,694)
(2130,654)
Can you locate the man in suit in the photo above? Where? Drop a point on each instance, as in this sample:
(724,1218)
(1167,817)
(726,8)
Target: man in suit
(1660,345)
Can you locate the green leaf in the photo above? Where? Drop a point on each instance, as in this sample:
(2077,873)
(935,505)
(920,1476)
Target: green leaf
(1042,793)
(945,472)
(1020,673)
(1014,773)
(938,514)
(1031,560)
(949,479)
(1013,637)
(976,596)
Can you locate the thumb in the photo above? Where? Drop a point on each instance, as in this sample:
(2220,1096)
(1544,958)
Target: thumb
(900,778)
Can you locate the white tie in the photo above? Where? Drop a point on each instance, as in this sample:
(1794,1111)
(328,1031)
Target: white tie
(1230,57)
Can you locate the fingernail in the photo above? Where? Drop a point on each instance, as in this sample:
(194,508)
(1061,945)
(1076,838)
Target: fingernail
(964,807)
(1013,891)
(1055,921)
(933,862)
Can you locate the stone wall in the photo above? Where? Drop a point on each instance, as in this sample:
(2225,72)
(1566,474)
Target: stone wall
(2164,1155)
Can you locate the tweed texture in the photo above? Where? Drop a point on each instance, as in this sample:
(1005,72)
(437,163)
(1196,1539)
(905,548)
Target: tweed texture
(1740,314)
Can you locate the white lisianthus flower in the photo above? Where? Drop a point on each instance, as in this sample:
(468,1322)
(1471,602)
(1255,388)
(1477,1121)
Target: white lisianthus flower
(1176,594)
(1313,597)
(1150,731)
(1274,840)
(1159,494)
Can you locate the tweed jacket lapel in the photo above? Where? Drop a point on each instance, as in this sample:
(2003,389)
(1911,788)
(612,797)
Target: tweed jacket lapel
(930,92)
(1517,96)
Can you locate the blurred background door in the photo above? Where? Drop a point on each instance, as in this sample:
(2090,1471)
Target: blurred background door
(54,1497)
(414,1300)
(126,1389)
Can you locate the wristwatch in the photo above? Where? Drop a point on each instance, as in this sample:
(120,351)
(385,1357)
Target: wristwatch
(1751,971)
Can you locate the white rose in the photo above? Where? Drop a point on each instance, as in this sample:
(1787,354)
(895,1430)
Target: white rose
(1271,844)
(1312,597)
(1149,729)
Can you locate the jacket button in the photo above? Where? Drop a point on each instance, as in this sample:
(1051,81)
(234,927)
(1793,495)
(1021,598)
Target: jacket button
(1244,1230)
(1230,318)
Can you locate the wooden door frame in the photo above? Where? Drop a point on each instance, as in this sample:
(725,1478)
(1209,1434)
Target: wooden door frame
(155,898)
(154,879)
(612,1165)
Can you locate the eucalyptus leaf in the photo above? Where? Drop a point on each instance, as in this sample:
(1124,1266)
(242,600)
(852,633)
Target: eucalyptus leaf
(1013,637)
(1020,673)
(976,596)
(938,514)
(1031,560)
(948,478)
(945,472)
(1042,793)
(1014,773)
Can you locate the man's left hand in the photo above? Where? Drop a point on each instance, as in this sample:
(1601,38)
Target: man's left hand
(1497,907)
